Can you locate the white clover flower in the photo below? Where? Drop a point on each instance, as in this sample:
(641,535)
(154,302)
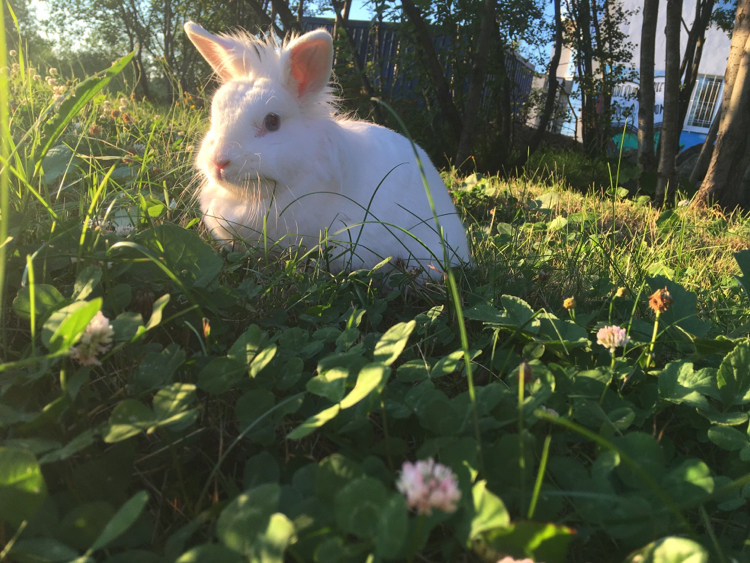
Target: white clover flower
(124,230)
(429,485)
(612,337)
(12,53)
(37,78)
(123,101)
(123,108)
(107,105)
(53,71)
(96,339)
(15,67)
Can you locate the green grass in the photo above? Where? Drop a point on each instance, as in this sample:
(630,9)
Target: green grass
(252,406)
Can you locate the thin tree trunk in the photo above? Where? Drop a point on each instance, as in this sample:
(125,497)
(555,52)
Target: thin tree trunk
(434,67)
(550,101)
(694,52)
(726,176)
(476,83)
(670,131)
(288,18)
(707,150)
(646,95)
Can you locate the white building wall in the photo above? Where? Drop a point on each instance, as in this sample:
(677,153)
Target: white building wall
(715,51)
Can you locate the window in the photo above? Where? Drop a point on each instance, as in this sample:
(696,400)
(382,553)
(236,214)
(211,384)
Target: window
(703,101)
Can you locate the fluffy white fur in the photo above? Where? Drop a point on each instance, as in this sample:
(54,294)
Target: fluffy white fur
(318,176)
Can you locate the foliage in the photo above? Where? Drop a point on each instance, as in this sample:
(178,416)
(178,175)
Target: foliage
(252,407)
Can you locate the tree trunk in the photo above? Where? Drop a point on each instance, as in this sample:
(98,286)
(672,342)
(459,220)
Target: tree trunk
(288,18)
(476,83)
(434,67)
(726,179)
(694,52)
(707,150)
(646,96)
(671,127)
(550,101)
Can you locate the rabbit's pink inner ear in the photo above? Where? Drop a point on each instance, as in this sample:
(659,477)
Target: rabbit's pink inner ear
(310,62)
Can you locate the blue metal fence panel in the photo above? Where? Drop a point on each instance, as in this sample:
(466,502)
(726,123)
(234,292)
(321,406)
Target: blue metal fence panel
(399,82)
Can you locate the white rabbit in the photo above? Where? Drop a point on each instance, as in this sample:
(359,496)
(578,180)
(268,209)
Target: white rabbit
(279,158)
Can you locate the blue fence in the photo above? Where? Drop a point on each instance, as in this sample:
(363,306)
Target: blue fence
(397,81)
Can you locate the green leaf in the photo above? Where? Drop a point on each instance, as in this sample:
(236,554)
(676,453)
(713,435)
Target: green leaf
(83,524)
(670,550)
(127,325)
(684,311)
(269,547)
(646,452)
(157,310)
(334,472)
(73,326)
(489,511)
(210,553)
(158,368)
(451,363)
(184,252)
(247,346)
(329,384)
(75,102)
(520,314)
(447,364)
(393,526)
(173,399)
(80,442)
(42,550)
(727,438)
(358,506)
(259,469)
(60,160)
(123,519)
(412,371)
(540,541)
(315,421)
(393,342)
(733,377)
(260,361)
(46,299)
(289,374)
(22,486)
(368,379)
(566,332)
(221,375)
(247,517)
(680,383)
(128,418)
(690,481)
(556,224)
(86,282)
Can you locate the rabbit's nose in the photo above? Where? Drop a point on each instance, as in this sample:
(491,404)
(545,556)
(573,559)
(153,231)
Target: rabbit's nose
(222,164)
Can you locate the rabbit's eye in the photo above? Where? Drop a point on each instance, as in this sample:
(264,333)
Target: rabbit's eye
(272,122)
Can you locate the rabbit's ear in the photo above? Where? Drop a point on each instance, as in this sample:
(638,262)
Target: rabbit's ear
(224,54)
(307,63)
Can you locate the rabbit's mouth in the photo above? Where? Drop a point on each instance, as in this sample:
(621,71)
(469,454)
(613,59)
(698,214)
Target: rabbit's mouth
(246,186)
